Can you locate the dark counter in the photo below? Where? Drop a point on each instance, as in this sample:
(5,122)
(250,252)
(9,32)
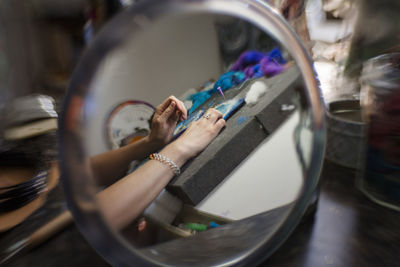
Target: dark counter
(347,230)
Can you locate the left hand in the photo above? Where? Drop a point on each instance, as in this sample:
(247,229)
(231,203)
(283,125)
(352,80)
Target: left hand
(166,117)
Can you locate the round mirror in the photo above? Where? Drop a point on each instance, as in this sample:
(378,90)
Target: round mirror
(192,133)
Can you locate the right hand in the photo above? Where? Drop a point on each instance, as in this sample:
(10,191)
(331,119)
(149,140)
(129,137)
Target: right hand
(165,119)
(200,133)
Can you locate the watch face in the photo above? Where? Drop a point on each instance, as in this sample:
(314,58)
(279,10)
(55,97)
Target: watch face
(128,122)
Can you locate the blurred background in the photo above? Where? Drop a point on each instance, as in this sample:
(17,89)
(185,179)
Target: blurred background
(354,46)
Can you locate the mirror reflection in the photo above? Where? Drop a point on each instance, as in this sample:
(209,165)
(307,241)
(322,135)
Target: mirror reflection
(193,124)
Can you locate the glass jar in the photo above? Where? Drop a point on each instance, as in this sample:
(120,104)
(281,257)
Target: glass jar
(380,103)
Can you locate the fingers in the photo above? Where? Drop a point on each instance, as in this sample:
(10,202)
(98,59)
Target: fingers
(200,133)
(163,106)
(212,115)
(169,112)
(176,117)
(220,123)
(215,118)
(178,105)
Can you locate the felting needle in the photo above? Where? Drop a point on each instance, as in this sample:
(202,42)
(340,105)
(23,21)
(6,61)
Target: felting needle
(220,91)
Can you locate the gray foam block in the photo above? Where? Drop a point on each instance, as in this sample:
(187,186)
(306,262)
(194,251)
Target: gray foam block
(244,131)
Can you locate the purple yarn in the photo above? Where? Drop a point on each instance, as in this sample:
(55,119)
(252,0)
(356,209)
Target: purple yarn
(270,68)
(255,64)
(249,72)
(276,56)
(248,58)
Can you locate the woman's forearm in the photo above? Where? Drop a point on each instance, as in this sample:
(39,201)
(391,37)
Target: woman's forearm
(112,165)
(123,201)
(127,198)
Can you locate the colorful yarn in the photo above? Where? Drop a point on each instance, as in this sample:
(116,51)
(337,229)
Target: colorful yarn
(248,58)
(257,64)
(225,82)
(228,80)
(251,64)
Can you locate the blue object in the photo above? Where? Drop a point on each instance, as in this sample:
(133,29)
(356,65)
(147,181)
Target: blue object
(276,56)
(241,119)
(228,80)
(213,225)
(225,81)
(198,99)
(227,108)
(182,126)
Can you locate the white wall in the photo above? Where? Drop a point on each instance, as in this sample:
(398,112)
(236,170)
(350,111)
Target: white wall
(270,177)
(168,58)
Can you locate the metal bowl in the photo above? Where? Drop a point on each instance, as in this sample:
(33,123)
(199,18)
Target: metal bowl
(345,134)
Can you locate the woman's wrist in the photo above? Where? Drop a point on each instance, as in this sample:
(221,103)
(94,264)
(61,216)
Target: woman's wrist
(176,153)
(153,144)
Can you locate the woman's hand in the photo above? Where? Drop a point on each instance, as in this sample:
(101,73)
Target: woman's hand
(127,198)
(199,134)
(165,119)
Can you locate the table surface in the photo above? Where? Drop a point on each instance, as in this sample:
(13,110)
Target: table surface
(347,230)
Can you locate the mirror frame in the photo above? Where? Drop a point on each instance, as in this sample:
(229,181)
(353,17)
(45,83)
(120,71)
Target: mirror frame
(77,180)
